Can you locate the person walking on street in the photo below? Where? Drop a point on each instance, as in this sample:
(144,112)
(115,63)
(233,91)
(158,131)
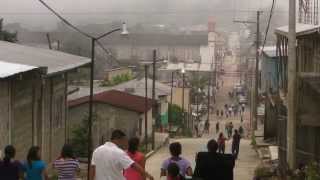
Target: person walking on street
(221,143)
(230,111)
(241,131)
(207,127)
(217,112)
(243,106)
(136,156)
(184,165)
(241,118)
(66,165)
(35,168)
(226,128)
(230,129)
(221,113)
(236,144)
(110,160)
(217,127)
(196,128)
(9,168)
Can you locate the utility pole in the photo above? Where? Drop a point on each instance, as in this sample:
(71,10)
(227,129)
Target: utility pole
(49,40)
(209,88)
(254,104)
(154,105)
(292,87)
(146,106)
(256,87)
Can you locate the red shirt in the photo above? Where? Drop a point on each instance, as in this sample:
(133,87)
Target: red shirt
(130,173)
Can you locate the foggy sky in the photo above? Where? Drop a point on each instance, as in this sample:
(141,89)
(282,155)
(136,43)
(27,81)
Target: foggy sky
(32,14)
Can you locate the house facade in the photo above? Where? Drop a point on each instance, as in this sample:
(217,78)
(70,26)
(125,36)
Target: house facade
(308,72)
(37,101)
(174,47)
(113,110)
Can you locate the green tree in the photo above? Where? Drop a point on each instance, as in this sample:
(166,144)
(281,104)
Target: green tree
(176,118)
(79,139)
(6,35)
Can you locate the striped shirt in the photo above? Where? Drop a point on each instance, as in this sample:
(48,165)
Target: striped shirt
(66,168)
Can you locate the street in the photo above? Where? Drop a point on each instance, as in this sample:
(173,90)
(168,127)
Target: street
(248,159)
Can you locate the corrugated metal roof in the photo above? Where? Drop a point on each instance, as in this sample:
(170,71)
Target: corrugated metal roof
(118,99)
(301,29)
(270,51)
(10,69)
(55,61)
(136,85)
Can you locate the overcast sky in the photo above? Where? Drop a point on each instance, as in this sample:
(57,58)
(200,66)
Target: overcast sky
(32,14)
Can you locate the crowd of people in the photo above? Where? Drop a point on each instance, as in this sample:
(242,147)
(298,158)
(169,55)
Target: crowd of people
(34,168)
(120,159)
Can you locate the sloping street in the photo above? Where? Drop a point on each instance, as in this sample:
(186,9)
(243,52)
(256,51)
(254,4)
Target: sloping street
(248,158)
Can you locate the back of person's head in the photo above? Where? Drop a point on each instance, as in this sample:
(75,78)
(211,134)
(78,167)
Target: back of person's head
(133,145)
(235,131)
(9,153)
(175,149)
(212,146)
(117,135)
(220,135)
(33,155)
(67,151)
(173,170)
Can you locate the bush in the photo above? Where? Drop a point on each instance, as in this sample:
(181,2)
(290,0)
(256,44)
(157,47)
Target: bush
(176,115)
(313,171)
(79,139)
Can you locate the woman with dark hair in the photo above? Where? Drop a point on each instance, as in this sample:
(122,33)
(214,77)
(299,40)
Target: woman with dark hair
(184,165)
(138,157)
(66,165)
(221,143)
(173,172)
(35,168)
(9,168)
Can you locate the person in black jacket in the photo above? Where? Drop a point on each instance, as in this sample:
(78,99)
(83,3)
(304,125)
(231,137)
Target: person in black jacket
(213,166)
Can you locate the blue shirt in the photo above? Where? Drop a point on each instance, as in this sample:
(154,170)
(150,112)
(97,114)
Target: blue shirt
(35,171)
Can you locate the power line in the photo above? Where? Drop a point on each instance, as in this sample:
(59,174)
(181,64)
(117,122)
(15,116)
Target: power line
(79,30)
(269,21)
(64,20)
(138,12)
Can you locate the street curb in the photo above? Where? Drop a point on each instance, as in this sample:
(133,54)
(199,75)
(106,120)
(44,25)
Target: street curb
(149,154)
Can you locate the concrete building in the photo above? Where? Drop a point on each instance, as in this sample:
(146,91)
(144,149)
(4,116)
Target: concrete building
(113,110)
(117,72)
(35,102)
(307,101)
(174,47)
(136,87)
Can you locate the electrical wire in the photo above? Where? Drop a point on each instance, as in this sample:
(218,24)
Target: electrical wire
(107,52)
(268,26)
(79,30)
(64,20)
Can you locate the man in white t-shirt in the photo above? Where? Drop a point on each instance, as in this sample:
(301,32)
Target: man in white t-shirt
(109,160)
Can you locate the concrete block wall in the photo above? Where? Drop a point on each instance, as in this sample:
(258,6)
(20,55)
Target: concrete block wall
(4,114)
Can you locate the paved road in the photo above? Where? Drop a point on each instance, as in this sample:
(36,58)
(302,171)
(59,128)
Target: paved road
(248,159)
